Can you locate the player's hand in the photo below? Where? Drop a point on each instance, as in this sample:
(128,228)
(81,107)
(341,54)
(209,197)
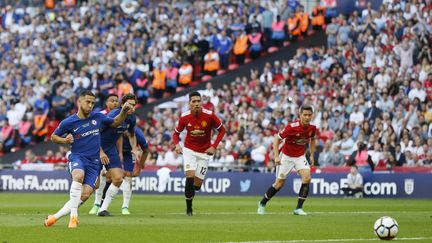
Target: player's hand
(137,170)
(211,150)
(178,149)
(136,153)
(121,157)
(69,139)
(127,107)
(104,158)
(312,161)
(277,161)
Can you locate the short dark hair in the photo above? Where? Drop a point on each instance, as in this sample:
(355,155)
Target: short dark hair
(195,93)
(306,108)
(86,93)
(110,95)
(127,97)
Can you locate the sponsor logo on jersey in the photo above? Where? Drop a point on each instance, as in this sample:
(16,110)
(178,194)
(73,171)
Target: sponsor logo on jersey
(91,132)
(203,123)
(94,122)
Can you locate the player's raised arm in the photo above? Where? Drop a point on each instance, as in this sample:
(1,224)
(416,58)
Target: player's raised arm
(122,115)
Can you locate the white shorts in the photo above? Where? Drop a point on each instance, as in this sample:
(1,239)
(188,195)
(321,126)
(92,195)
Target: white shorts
(288,163)
(195,161)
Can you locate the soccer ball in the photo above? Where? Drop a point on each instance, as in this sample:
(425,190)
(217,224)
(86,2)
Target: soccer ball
(386,228)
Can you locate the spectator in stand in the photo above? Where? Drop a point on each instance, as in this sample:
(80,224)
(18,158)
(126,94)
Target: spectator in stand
(211,62)
(223,45)
(278,32)
(171,78)
(159,82)
(361,159)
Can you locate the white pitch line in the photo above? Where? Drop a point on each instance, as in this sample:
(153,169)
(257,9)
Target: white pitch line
(254,213)
(331,240)
(311,213)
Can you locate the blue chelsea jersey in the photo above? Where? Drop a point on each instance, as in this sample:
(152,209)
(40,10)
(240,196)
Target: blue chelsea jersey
(86,133)
(110,135)
(141,141)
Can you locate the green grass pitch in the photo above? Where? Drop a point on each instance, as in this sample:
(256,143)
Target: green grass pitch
(216,219)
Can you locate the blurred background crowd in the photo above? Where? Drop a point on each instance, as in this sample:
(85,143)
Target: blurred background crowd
(371,84)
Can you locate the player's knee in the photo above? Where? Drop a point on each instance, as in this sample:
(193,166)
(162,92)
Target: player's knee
(78,178)
(306,179)
(278,184)
(85,196)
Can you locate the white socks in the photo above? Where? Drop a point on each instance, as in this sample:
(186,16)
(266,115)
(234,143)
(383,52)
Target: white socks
(65,210)
(75,198)
(110,194)
(99,191)
(127,191)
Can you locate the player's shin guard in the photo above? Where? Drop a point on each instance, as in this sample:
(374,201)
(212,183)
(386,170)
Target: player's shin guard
(189,191)
(303,193)
(110,194)
(127,191)
(268,195)
(75,197)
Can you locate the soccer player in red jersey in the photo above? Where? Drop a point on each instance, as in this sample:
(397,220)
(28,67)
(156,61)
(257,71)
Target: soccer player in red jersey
(297,135)
(199,124)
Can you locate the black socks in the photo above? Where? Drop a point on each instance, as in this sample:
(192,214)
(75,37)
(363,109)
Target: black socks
(303,193)
(268,195)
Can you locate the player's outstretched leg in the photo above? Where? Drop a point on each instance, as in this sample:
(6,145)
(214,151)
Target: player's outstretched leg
(98,196)
(189,195)
(303,193)
(127,194)
(269,194)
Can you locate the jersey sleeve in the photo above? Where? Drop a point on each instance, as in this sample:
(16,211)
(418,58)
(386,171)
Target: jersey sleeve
(180,126)
(108,119)
(62,128)
(216,121)
(284,132)
(141,141)
(132,124)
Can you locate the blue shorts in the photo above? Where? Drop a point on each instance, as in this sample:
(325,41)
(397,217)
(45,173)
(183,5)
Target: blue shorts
(91,168)
(113,158)
(128,163)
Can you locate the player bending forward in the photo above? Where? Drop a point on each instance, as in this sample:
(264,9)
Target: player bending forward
(199,124)
(297,135)
(82,131)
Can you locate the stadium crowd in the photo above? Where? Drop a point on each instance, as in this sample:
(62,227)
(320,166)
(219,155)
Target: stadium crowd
(370,86)
(48,54)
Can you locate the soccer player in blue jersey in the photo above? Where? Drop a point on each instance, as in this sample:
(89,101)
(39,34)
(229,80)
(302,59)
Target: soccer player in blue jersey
(111,141)
(131,167)
(82,132)
(111,103)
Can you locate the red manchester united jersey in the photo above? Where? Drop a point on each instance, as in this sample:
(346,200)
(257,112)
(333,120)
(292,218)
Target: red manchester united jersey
(296,138)
(199,129)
